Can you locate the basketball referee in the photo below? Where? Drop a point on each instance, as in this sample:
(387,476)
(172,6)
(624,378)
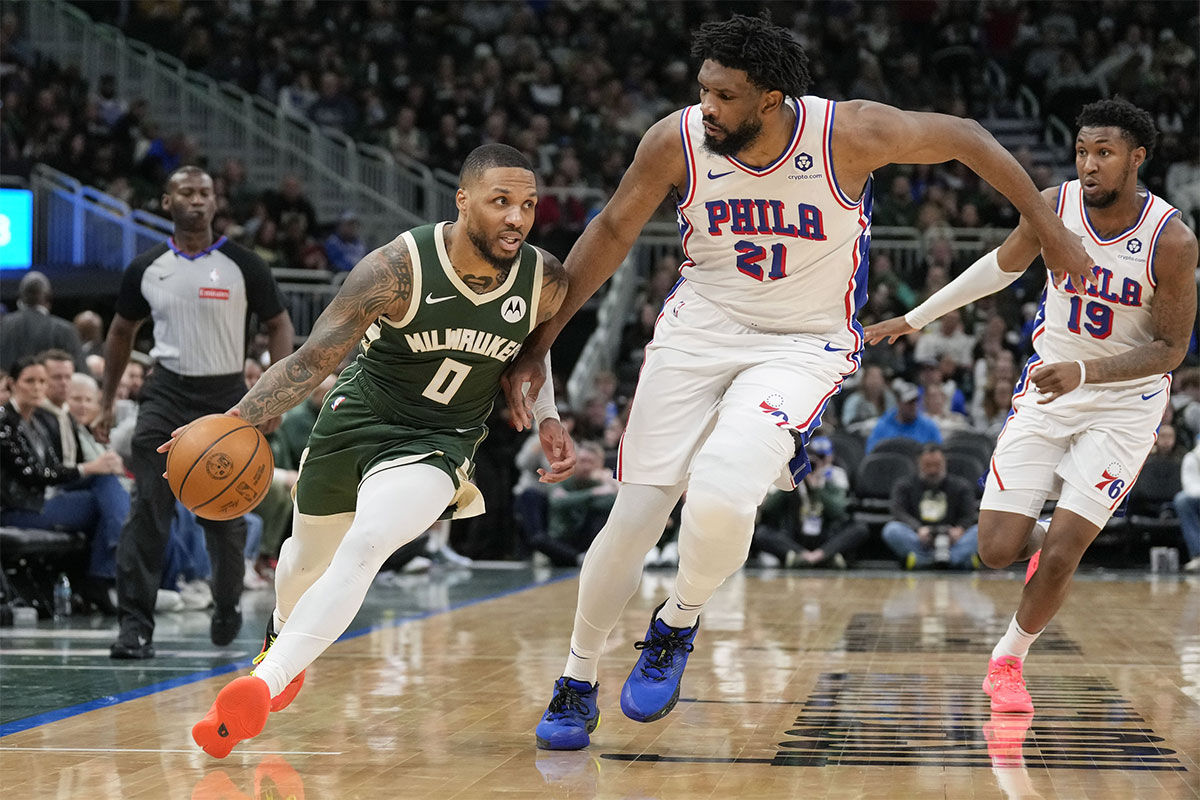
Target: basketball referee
(200,294)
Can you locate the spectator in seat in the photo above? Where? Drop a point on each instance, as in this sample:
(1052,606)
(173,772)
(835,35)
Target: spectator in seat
(578,508)
(933,516)
(39,491)
(949,339)
(905,420)
(32,328)
(344,247)
(90,328)
(811,526)
(1187,506)
(871,400)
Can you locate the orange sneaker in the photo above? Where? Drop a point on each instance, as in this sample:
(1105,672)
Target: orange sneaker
(1006,687)
(284,698)
(1005,735)
(1032,566)
(239,712)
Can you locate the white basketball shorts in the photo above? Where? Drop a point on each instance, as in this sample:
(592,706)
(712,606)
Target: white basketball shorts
(702,366)
(1084,449)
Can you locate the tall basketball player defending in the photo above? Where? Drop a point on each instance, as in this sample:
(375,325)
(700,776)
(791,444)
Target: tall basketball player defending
(440,311)
(1087,406)
(774,204)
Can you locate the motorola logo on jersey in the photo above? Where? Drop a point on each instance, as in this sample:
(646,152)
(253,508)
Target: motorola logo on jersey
(513,309)
(1134,246)
(747,216)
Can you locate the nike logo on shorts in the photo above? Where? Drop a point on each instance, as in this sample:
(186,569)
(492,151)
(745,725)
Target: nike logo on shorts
(430,299)
(1148,396)
(712,177)
(834,349)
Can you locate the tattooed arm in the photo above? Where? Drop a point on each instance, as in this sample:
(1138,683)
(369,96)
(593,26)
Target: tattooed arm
(554,287)
(380,284)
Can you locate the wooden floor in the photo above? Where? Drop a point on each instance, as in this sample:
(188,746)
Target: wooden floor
(807,685)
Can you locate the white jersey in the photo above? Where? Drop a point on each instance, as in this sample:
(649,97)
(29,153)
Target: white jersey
(779,248)
(1115,316)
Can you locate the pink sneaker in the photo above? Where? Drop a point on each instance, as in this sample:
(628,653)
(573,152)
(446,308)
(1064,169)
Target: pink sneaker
(1033,564)
(1006,687)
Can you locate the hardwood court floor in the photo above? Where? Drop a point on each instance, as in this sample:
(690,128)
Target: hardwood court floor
(812,685)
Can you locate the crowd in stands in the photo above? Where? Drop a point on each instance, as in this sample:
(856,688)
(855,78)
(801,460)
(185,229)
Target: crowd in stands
(574,86)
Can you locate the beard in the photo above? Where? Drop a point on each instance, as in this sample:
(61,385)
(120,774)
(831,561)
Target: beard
(736,140)
(484,246)
(1108,198)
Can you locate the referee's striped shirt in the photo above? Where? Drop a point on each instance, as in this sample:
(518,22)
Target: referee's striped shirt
(200,304)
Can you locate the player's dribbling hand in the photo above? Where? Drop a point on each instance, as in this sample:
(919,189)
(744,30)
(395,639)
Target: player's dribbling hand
(559,450)
(525,369)
(890,329)
(1055,380)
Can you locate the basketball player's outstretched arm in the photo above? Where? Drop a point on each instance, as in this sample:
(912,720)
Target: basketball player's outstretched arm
(657,168)
(1172,316)
(996,270)
(867,136)
(379,284)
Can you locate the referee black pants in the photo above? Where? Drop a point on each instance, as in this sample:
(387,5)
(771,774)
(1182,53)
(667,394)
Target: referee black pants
(168,401)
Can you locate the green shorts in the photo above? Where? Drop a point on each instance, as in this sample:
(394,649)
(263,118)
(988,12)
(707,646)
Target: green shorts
(351,442)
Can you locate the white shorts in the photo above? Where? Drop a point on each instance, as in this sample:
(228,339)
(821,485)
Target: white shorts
(1084,449)
(701,366)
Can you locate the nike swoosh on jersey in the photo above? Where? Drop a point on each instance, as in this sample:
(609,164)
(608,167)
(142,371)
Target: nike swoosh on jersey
(835,349)
(1148,396)
(430,299)
(712,177)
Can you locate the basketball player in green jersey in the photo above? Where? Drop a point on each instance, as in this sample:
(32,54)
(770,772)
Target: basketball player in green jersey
(440,311)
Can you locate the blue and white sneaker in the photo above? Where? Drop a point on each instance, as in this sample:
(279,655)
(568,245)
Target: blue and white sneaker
(652,688)
(571,716)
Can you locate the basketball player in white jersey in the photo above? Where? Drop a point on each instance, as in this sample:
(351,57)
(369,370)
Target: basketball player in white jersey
(1087,406)
(774,200)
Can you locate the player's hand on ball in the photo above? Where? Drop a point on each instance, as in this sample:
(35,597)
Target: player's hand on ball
(890,329)
(559,450)
(1065,254)
(1055,380)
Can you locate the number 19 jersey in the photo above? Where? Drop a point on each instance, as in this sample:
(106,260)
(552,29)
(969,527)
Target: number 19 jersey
(1113,317)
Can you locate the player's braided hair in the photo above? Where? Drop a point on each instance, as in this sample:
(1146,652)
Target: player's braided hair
(486,156)
(769,55)
(1136,125)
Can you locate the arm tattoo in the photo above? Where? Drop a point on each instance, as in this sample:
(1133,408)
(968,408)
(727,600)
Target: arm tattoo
(381,284)
(554,288)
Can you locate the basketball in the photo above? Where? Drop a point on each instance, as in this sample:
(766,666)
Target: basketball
(220,467)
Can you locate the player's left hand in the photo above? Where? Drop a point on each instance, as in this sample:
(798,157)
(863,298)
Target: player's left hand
(559,450)
(1055,380)
(890,329)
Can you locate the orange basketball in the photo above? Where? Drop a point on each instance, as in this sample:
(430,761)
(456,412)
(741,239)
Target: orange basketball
(220,467)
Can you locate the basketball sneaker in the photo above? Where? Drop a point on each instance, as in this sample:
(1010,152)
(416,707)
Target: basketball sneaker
(1006,687)
(284,698)
(239,712)
(571,716)
(652,688)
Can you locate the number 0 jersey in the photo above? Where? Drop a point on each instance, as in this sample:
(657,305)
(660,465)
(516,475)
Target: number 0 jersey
(1113,317)
(439,367)
(779,248)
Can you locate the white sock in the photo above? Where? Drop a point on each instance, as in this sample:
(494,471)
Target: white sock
(679,614)
(1015,642)
(328,607)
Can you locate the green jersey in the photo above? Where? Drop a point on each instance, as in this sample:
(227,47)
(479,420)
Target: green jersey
(440,366)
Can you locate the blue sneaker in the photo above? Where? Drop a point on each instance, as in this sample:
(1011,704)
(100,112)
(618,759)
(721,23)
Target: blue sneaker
(652,689)
(572,715)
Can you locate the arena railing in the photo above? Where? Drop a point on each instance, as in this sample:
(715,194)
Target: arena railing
(79,225)
(387,190)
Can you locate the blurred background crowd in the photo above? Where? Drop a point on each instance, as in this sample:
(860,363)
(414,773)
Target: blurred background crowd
(575,85)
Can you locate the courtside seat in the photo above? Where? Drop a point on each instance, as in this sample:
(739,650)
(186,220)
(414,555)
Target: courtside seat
(30,559)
